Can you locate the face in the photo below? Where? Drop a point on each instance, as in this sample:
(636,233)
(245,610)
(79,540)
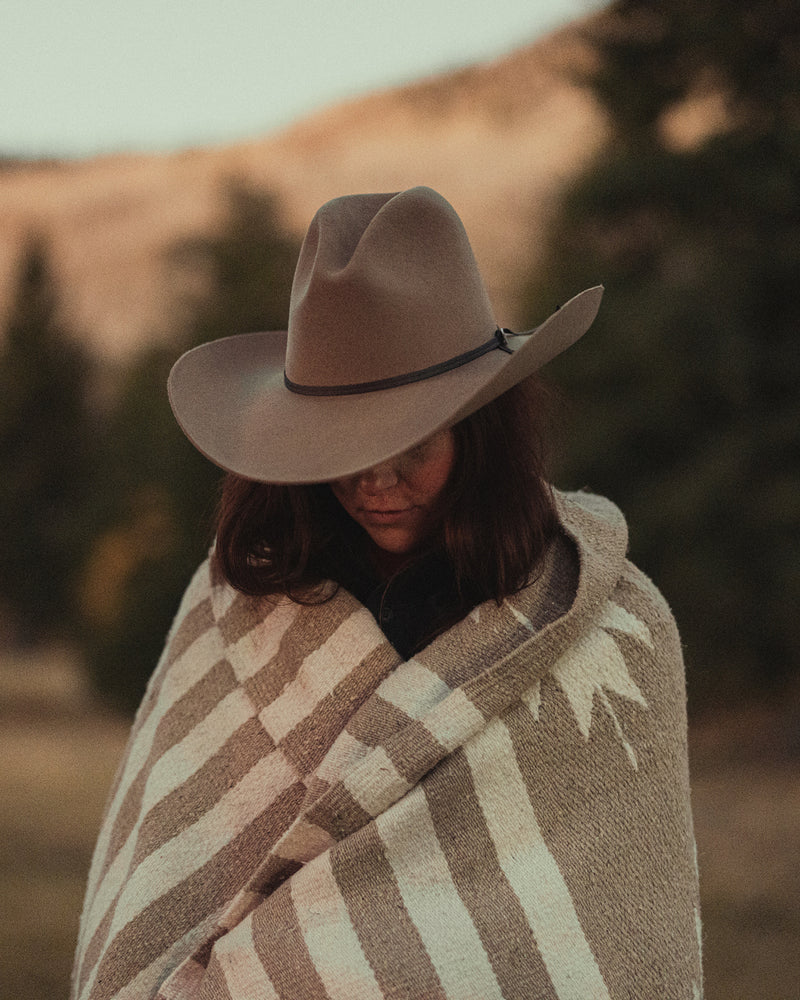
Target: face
(395,502)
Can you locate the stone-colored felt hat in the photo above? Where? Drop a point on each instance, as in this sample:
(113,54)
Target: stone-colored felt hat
(391,337)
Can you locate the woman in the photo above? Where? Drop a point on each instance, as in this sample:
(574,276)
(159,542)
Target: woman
(419,728)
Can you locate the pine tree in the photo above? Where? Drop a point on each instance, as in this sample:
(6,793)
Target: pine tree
(45,456)
(160,491)
(688,382)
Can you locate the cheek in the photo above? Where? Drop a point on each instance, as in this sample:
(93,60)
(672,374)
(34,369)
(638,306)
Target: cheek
(343,493)
(433,478)
(429,486)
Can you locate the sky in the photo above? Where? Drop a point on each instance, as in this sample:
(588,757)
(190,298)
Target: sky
(85,77)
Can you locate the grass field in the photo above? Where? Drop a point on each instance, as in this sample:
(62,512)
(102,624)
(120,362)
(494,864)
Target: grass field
(59,756)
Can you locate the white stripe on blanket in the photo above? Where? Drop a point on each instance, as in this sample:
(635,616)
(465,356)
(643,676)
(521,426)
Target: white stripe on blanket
(414,689)
(260,645)
(244,973)
(182,676)
(320,673)
(185,854)
(433,901)
(530,867)
(169,772)
(329,934)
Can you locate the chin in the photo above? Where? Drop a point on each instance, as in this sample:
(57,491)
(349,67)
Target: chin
(397,546)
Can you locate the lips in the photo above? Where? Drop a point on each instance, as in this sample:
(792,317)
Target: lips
(385,516)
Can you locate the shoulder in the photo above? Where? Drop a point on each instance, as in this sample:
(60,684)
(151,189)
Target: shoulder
(210,621)
(636,593)
(611,588)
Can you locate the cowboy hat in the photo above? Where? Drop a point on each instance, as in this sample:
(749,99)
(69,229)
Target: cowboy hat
(391,337)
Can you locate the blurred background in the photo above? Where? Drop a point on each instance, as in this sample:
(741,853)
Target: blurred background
(159,167)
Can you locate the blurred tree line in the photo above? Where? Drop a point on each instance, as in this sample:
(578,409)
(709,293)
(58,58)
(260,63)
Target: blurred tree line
(686,404)
(106,507)
(686,393)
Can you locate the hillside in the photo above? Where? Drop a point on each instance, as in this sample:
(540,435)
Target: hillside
(498,139)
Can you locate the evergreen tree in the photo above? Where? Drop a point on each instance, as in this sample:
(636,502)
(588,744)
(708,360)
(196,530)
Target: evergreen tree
(45,455)
(161,492)
(248,268)
(688,383)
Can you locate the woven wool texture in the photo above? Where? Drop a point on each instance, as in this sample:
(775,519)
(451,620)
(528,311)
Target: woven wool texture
(301,815)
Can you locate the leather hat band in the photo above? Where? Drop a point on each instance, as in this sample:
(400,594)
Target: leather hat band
(497,341)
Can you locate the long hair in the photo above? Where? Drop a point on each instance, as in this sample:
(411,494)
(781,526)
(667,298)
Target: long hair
(497,512)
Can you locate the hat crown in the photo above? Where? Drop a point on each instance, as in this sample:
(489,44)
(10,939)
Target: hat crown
(391,337)
(385,284)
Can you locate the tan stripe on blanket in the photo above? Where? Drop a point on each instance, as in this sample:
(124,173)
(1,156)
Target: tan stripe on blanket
(169,772)
(177,680)
(530,868)
(390,941)
(320,673)
(493,905)
(185,855)
(432,900)
(186,912)
(329,934)
(244,974)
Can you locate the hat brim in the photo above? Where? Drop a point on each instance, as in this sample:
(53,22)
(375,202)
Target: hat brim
(230,400)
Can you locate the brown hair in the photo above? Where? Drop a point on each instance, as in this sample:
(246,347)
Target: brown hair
(498,513)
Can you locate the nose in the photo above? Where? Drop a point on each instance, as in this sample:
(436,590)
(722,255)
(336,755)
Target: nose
(379,478)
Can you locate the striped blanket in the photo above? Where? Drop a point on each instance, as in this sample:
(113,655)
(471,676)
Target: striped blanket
(301,815)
